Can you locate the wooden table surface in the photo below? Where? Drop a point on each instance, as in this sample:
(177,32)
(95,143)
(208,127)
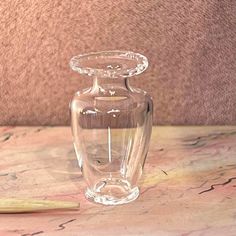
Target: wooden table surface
(188,188)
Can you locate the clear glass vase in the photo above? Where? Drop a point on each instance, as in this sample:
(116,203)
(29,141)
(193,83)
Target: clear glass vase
(111,125)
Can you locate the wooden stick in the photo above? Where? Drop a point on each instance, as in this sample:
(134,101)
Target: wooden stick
(12,205)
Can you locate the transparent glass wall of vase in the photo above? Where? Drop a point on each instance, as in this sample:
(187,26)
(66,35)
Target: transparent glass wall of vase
(111,124)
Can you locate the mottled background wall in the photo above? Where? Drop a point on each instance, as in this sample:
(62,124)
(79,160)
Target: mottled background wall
(191,45)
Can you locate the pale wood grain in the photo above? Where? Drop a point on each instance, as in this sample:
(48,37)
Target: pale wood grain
(188,188)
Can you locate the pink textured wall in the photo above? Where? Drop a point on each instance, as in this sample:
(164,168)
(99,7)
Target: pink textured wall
(191,46)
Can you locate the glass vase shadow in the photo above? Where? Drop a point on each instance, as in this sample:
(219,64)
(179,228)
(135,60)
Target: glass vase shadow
(111,125)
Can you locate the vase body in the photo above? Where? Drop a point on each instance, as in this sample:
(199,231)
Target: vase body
(111,125)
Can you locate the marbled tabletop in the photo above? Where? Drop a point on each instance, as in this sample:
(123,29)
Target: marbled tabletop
(188,187)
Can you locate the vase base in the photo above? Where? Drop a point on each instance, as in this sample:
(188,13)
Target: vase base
(112,192)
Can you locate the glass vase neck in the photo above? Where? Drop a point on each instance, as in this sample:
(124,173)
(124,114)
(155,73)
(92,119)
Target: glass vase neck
(106,84)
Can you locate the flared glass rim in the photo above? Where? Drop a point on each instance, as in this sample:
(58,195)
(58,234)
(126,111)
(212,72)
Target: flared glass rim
(140,64)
